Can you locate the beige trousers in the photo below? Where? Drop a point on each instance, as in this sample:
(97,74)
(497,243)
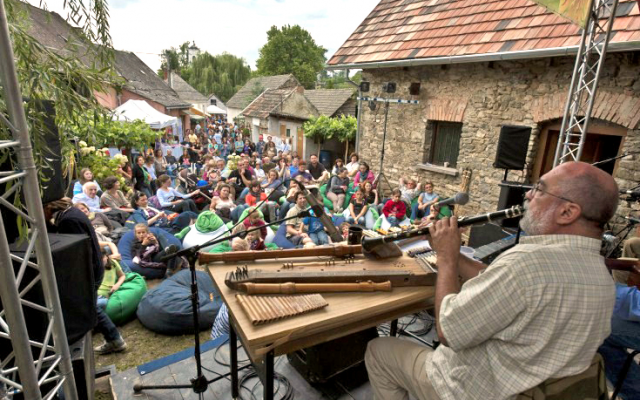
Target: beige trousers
(397,367)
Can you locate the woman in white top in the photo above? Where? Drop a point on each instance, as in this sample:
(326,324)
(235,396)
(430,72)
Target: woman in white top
(224,206)
(172,200)
(285,146)
(352,167)
(89,196)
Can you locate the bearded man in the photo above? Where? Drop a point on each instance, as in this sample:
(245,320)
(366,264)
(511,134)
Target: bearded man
(539,311)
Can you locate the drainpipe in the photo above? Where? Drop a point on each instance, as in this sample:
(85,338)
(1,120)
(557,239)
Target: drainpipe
(358,130)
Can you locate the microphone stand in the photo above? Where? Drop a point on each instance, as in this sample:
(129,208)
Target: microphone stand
(199,384)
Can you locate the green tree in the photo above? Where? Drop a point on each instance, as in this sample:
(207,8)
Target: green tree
(223,74)
(176,58)
(323,128)
(291,50)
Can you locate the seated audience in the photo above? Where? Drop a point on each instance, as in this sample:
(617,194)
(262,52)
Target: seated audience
(113,197)
(354,165)
(409,189)
(290,197)
(395,209)
(224,206)
(256,196)
(337,165)
(89,196)
(363,174)
(112,280)
(148,253)
(357,209)
(159,163)
(539,311)
(425,200)
(142,182)
(253,220)
(315,229)
(85,176)
(172,200)
(99,220)
(337,189)
(295,231)
(255,240)
(145,214)
(241,178)
(317,170)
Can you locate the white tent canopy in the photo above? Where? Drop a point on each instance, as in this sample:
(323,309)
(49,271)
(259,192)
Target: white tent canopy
(215,110)
(140,109)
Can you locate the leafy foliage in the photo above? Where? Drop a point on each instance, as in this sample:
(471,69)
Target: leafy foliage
(68,77)
(101,131)
(101,165)
(291,50)
(323,128)
(338,80)
(175,59)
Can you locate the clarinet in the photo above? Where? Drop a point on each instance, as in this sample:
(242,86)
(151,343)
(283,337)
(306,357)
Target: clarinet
(515,211)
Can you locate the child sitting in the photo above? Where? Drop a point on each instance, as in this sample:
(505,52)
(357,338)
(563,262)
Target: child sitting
(255,241)
(256,195)
(315,229)
(253,220)
(148,253)
(111,282)
(357,209)
(395,209)
(239,244)
(344,229)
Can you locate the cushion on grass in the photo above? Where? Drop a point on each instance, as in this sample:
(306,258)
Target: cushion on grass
(124,247)
(123,303)
(208,226)
(166,308)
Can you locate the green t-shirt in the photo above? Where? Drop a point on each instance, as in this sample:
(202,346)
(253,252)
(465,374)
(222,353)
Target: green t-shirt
(110,278)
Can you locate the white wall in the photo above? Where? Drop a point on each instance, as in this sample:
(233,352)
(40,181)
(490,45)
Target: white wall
(232,113)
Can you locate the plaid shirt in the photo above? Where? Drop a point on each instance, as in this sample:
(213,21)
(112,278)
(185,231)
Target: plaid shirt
(539,311)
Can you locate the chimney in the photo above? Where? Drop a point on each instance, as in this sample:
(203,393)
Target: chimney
(165,74)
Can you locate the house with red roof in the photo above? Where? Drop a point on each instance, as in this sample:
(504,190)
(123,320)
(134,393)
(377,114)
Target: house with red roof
(475,67)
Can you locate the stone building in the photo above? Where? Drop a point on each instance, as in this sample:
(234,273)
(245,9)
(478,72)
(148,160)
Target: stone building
(481,67)
(253,88)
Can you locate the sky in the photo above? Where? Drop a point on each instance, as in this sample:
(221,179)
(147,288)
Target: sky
(239,27)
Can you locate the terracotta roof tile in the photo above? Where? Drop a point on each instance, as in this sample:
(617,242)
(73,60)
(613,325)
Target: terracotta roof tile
(400,29)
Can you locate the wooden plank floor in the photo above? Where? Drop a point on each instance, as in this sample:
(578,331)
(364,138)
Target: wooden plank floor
(349,385)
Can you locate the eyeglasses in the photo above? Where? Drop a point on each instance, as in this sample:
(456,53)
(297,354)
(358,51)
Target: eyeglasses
(536,188)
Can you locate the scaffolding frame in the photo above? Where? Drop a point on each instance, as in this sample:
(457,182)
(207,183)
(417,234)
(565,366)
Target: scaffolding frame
(584,82)
(20,371)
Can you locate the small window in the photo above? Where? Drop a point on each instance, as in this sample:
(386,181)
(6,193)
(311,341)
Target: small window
(213,102)
(288,132)
(443,143)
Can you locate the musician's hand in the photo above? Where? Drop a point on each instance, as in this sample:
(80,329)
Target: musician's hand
(445,240)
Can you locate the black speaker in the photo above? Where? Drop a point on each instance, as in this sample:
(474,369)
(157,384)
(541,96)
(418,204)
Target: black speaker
(414,88)
(511,194)
(364,86)
(512,147)
(53,183)
(74,276)
(321,362)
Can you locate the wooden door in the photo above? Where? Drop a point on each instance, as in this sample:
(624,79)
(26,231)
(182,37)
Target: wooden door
(300,142)
(603,141)
(283,132)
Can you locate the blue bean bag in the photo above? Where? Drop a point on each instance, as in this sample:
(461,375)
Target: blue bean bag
(280,239)
(124,247)
(166,308)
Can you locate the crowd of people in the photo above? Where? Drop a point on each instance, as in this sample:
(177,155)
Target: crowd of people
(486,341)
(246,184)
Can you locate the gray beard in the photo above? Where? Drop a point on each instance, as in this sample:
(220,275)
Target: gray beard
(536,223)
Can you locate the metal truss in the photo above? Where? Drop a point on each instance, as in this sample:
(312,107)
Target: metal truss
(584,83)
(35,369)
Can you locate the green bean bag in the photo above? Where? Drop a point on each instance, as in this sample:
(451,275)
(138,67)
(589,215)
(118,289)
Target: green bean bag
(329,204)
(123,303)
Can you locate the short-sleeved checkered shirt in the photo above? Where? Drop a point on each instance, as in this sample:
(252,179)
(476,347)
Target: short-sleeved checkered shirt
(538,311)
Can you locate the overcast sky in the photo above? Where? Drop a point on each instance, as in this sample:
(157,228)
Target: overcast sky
(239,27)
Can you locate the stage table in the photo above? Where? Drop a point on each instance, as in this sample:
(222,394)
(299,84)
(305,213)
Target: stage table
(346,313)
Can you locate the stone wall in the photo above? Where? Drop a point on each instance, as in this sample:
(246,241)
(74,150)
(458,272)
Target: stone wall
(484,97)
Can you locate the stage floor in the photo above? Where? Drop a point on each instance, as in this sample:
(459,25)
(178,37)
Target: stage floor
(351,384)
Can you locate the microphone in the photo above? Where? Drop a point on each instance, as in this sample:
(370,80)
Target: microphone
(632,220)
(459,198)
